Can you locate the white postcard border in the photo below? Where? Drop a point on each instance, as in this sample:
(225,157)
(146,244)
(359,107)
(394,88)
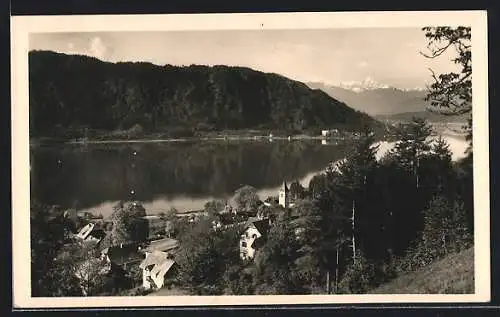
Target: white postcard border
(22,26)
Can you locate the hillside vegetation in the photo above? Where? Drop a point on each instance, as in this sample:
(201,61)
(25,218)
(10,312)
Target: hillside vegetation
(454,274)
(76,92)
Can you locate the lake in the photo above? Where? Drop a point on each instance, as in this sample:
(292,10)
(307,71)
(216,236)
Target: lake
(184,175)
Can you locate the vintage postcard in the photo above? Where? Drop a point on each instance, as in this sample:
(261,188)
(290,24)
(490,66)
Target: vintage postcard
(249,159)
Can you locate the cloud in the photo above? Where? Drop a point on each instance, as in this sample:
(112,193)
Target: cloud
(97,47)
(362,64)
(70,49)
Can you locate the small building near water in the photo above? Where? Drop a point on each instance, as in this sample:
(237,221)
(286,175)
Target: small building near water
(327,133)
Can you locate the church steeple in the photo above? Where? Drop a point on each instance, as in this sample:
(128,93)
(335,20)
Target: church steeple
(284,187)
(283,198)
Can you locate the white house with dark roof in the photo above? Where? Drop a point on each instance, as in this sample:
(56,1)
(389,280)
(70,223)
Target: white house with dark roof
(254,230)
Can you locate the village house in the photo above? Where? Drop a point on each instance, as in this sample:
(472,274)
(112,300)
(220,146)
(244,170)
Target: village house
(91,233)
(155,267)
(327,133)
(254,230)
(158,262)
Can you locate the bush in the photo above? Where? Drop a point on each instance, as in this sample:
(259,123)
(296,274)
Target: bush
(359,277)
(445,231)
(238,281)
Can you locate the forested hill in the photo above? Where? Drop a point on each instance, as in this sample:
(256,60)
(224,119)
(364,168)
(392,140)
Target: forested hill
(74,91)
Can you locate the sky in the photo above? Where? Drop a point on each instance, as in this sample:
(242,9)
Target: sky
(331,56)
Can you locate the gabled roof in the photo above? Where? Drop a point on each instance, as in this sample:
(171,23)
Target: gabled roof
(284,187)
(165,244)
(154,258)
(122,254)
(261,225)
(98,234)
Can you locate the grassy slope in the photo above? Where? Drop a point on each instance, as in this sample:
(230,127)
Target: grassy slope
(452,275)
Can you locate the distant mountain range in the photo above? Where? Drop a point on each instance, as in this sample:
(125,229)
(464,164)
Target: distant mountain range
(427,115)
(374,98)
(75,92)
(368,84)
(385,103)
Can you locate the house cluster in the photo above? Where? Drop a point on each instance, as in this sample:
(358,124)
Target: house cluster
(256,229)
(154,256)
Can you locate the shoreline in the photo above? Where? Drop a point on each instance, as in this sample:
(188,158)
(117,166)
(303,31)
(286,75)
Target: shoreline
(187,139)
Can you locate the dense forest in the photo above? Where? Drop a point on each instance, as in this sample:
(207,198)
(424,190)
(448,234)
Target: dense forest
(73,93)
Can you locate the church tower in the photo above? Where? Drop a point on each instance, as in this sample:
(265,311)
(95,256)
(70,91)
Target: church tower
(284,194)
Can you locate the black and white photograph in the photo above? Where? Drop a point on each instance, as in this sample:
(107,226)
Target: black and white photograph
(228,159)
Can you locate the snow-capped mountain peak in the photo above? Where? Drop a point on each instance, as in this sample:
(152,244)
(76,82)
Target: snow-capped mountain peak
(366,84)
(370,84)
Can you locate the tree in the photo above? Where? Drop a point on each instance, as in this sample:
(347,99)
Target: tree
(263,211)
(413,144)
(81,261)
(297,191)
(246,199)
(48,234)
(445,228)
(320,227)
(355,173)
(451,93)
(317,185)
(312,260)
(171,223)
(359,277)
(437,174)
(213,207)
(127,223)
(445,231)
(205,256)
(275,263)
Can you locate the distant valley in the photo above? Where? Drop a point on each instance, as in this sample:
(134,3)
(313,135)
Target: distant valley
(378,100)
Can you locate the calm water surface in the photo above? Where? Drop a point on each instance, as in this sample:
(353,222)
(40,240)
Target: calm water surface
(184,175)
(181,174)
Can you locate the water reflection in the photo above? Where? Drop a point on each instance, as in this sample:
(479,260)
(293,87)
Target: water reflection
(184,175)
(180,174)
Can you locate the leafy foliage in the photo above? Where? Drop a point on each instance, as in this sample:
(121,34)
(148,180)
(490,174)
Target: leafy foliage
(445,232)
(246,199)
(205,256)
(127,225)
(451,93)
(275,262)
